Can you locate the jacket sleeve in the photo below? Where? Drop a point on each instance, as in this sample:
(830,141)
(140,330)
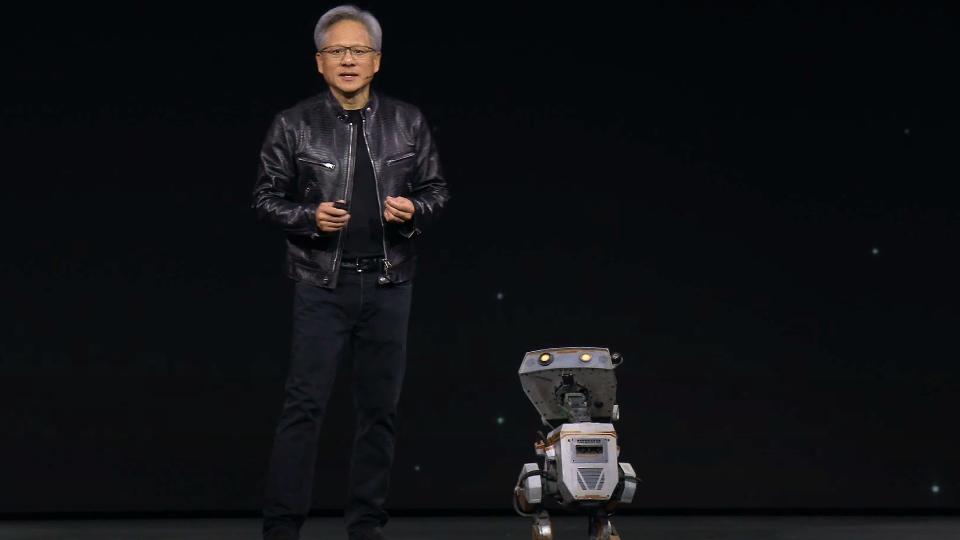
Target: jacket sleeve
(273,193)
(429,192)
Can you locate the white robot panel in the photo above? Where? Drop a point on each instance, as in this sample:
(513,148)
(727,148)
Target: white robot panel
(586,457)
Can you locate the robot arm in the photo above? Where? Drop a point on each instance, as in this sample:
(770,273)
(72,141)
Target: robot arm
(529,490)
(627,485)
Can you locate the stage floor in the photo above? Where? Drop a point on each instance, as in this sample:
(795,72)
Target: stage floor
(477,528)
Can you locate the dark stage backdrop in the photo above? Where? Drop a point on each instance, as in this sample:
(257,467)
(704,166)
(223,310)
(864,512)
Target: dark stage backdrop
(757,206)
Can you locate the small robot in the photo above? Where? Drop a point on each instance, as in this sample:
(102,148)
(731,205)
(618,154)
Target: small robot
(574,390)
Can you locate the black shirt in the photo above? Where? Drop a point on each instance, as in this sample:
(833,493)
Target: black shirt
(364,231)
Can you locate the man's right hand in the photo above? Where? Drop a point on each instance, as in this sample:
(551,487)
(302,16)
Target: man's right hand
(330,219)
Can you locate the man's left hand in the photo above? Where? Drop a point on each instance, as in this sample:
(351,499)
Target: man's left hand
(398,209)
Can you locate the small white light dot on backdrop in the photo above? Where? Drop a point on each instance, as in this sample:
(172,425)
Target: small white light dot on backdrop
(935,489)
(875,251)
(906,131)
(499,296)
(416,468)
(501,420)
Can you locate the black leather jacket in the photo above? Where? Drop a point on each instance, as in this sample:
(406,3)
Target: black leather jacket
(307,158)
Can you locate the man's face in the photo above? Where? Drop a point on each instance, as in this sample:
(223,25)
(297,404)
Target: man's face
(347,74)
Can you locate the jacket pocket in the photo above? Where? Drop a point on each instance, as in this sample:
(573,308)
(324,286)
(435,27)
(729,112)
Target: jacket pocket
(395,159)
(313,191)
(315,173)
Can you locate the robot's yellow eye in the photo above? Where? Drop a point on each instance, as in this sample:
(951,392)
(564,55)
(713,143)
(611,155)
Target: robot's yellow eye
(585,357)
(546,358)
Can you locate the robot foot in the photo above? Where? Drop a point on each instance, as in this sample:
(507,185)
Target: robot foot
(542,530)
(600,527)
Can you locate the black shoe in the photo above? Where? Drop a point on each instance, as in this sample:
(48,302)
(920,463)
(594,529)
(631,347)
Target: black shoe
(366,533)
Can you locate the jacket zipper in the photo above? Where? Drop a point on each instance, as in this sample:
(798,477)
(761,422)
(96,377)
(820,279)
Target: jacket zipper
(324,164)
(376,184)
(346,192)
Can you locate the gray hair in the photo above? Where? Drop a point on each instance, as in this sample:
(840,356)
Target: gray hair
(348,13)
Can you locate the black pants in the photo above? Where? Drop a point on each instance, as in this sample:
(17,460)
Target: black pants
(369,322)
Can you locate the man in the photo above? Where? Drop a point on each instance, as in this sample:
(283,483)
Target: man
(353,266)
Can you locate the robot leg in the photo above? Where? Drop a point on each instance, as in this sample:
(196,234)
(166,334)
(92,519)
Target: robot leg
(542,529)
(600,528)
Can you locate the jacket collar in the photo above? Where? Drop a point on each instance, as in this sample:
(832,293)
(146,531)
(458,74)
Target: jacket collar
(368,110)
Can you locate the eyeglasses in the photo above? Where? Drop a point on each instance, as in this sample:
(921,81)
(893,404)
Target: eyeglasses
(359,53)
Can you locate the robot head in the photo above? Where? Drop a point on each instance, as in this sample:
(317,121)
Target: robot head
(571,384)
